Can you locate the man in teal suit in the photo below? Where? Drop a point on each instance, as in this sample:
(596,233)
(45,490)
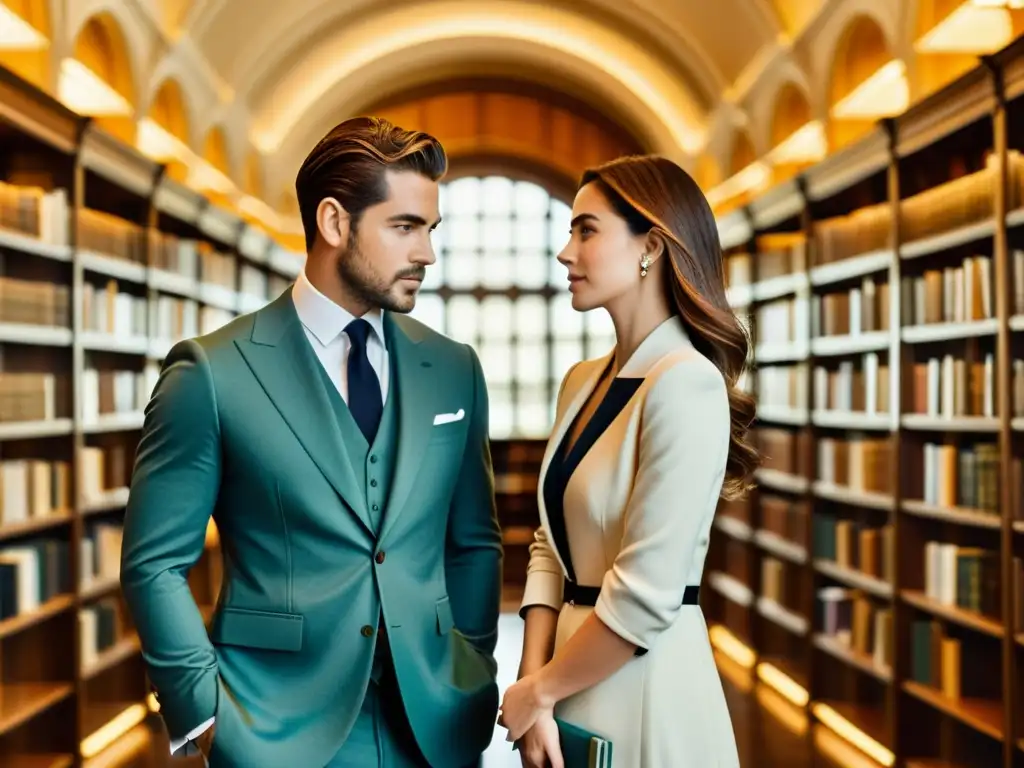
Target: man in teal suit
(342,449)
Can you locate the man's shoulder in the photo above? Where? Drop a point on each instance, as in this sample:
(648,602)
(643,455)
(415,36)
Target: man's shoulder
(214,344)
(438,343)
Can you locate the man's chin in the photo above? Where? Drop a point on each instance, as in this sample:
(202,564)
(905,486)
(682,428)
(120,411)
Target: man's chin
(401,300)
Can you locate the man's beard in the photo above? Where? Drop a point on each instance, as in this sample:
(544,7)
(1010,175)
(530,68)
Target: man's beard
(358,276)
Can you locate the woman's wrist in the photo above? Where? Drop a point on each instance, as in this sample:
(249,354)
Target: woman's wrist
(545,688)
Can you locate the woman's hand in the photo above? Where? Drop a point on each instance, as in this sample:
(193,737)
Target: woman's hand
(522,706)
(539,747)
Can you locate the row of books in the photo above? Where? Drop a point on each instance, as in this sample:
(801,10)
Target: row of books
(964,476)
(857,463)
(863,309)
(786,518)
(848,387)
(31,211)
(963,577)
(100,628)
(35,302)
(951,386)
(108,392)
(32,572)
(855,621)
(854,545)
(100,553)
(957,294)
(104,469)
(937,661)
(33,488)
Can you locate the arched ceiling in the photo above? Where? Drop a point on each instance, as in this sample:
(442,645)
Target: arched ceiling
(683,78)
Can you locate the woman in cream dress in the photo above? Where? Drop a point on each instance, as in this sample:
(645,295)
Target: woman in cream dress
(646,440)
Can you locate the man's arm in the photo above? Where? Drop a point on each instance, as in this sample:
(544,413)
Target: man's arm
(174,488)
(474,550)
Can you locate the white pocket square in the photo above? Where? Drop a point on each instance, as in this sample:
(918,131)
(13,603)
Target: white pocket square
(447,418)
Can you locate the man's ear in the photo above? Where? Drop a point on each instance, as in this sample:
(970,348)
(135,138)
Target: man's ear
(332,222)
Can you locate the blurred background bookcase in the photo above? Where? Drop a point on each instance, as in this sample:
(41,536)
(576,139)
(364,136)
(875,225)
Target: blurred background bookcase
(874,577)
(105,262)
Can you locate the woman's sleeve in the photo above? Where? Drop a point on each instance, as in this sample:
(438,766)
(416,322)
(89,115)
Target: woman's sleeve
(684,444)
(544,577)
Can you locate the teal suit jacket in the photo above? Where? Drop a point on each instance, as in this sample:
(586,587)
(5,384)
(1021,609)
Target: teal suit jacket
(240,427)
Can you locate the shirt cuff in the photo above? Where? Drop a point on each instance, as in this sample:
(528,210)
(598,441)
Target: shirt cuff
(185,747)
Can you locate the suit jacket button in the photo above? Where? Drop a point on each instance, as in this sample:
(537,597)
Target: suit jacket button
(379,558)
(367,631)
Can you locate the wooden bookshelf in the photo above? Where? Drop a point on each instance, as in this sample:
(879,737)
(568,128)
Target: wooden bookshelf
(104,264)
(885,291)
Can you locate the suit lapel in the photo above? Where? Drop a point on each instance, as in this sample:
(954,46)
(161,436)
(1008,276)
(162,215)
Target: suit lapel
(415,380)
(558,435)
(281,359)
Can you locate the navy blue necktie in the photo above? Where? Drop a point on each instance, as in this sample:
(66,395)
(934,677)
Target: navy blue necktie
(364,398)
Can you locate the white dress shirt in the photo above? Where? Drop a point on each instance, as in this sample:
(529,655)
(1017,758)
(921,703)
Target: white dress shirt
(324,323)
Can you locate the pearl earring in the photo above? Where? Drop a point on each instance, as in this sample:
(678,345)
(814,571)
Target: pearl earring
(645,262)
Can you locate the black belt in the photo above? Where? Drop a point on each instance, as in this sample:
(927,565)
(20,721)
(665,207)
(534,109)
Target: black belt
(577,594)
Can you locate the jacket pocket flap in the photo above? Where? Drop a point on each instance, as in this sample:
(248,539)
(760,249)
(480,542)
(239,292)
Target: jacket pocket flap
(445,622)
(258,629)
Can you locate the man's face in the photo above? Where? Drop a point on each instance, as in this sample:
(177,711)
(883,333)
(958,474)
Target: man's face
(389,250)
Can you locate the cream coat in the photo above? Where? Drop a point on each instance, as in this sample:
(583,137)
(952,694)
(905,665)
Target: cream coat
(638,509)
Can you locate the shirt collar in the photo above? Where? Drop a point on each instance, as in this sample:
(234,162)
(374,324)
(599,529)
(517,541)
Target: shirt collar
(325,319)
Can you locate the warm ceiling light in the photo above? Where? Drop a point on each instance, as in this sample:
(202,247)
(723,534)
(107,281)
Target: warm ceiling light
(750,179)
(204,176)
(1017,4)
(806,144)
(257,209)
(83,91)
(16,34)
(884,94)
(604,49)
(975,27)
(157,143)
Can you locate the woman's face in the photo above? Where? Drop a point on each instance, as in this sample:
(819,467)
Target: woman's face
(602,255)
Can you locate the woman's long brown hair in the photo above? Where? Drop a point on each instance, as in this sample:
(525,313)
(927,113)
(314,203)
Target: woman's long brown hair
(653,193)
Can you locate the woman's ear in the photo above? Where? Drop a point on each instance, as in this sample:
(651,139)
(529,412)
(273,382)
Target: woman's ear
(654,245)
(332,222)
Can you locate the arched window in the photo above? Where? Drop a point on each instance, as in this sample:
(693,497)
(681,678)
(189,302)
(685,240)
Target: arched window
(498,287)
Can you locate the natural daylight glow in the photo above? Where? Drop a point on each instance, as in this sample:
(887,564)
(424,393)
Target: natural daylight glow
(83,91)
(16,34)
(975,27)
(884,94)
(391,33)
(750,179)
(806,144)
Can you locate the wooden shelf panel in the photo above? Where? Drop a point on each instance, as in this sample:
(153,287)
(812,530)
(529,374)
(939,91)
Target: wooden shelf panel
(20,702)
(984,716)
(863,662)
(47,610)
(951,613)
(39,761)
(854,578)
(970,517)
(34,525)
(844,495)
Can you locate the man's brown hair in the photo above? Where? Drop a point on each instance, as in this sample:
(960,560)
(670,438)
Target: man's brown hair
(350,162)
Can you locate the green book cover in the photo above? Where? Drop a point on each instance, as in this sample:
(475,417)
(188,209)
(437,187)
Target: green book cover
(582,748)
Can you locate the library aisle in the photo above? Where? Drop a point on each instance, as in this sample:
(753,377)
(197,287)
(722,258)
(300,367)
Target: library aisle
(865,163)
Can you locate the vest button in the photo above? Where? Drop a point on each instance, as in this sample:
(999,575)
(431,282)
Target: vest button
(373,483)
(379,558)
(376,508)
(373,459)
(367,631)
